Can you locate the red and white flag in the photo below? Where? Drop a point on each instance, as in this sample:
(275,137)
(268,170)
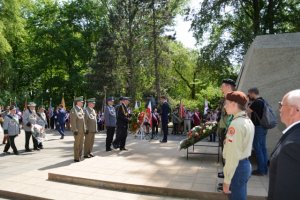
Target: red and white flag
(149,113)
(181,110)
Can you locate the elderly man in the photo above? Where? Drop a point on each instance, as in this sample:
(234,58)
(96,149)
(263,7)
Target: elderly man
(285,160)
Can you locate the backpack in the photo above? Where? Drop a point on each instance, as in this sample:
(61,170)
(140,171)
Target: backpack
(269,118)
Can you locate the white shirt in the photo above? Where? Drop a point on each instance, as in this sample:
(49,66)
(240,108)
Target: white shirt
(290,126)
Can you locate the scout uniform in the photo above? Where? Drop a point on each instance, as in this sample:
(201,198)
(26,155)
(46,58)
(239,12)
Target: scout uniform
(78,128)
(237,149)
(29,119)
(11,128)
(91,126)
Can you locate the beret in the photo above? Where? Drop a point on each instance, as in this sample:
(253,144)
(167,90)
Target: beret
(238,97)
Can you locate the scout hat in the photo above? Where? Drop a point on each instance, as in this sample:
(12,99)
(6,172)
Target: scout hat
(12,108)
(31,104)
(78,99)
(229,81)
(91,100)
(110,99)
(238,97)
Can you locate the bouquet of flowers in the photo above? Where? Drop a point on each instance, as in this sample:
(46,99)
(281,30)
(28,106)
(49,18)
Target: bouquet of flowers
(198,133)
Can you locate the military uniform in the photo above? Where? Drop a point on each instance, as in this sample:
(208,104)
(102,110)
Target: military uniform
(11,128)
(91,126)
(78,128)
(110,123)
(237,149)
(29,119)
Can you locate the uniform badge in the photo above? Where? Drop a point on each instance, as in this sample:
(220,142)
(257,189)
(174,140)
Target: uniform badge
(231,131)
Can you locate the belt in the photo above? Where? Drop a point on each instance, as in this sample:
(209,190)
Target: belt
(244,159)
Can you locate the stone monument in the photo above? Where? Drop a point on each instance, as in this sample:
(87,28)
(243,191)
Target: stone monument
(272,64)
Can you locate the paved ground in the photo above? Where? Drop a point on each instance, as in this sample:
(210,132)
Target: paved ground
(27,173)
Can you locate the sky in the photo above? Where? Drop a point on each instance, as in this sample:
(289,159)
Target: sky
(182,28)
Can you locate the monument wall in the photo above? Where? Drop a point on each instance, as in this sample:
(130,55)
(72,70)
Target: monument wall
(272,64)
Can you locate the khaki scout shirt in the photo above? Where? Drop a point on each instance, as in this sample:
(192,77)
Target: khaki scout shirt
(238,143)
(90,120)
(77,120)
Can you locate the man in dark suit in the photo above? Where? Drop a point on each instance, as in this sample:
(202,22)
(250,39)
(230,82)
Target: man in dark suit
(165,109)
(123,118)
(284,169)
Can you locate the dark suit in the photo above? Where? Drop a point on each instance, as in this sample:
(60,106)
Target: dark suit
(165,109)
(284,169)
(122,126)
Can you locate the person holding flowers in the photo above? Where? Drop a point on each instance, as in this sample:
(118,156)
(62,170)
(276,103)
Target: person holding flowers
(237,147)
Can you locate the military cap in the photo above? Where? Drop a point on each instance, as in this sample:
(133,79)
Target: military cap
(91,100)
(126,98)
(78,99)
(229,81)
(110,99)
(31,104)
(12,108)
(238,97)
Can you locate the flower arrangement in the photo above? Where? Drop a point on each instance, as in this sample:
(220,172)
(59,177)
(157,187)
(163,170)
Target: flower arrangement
(198,133)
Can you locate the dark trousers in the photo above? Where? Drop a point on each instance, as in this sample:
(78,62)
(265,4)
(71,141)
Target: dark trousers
(28,134)
(11,143)
(175,128)
(52,122)
(154,129)
(121,136)
(164,126)
(60,127)
(109,136)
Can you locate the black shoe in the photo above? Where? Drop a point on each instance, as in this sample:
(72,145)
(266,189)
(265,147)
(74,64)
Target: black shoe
(62,137)
(41,147)
(163,141)
(256,173)
(28,150)
(36,149)
(221,175)
(6,152)
(109,149)
(123,149)
(16,153)
(75,160)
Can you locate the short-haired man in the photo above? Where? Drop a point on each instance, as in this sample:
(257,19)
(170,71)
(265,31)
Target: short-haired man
(29,120)
(227,86)
(259,143)
(91,128)
(165,109)
(285,160)
(78,127)
(110,122)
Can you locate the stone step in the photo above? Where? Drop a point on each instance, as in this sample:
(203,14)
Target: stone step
(143,189)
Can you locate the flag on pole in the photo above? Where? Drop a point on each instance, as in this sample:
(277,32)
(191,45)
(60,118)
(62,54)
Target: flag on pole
(205,107)
(136,106)
(25,105)
(63,103)
(181,110)
(50,108)
(149,113)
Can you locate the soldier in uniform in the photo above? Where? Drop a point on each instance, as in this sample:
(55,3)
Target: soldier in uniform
(91,127)
(42,121)
(11,129)
(122,124)
(30,119)
(228,85)
(237,147)
(78,127)
(110,122)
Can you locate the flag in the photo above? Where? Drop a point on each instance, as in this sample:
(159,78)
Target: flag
(149,113)
(63,103)
(181,110)
(25,105)
(136,106)
(205,107)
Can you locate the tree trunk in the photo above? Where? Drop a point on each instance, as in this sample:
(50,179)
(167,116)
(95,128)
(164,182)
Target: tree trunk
(256,18)
(155,52)
(270,17)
